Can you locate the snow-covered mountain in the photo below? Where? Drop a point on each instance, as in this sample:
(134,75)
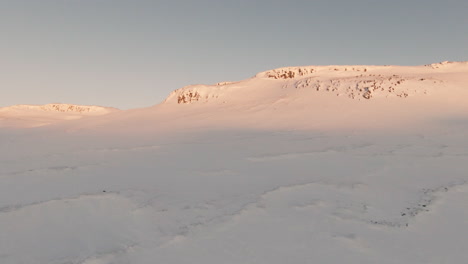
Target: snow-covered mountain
(309,98)
(59,108)
(40,115)
(354,82)
(316,164)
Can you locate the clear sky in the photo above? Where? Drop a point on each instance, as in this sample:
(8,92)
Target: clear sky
(133,53)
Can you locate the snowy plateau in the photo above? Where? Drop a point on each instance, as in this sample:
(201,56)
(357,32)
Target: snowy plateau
(316,164)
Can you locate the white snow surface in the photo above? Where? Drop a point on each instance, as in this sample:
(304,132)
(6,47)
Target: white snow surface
(317,164)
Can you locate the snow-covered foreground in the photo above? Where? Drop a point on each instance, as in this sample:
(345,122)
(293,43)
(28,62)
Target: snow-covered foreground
(164,185)
(236,197)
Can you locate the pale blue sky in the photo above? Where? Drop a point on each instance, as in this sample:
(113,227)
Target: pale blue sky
(133,53)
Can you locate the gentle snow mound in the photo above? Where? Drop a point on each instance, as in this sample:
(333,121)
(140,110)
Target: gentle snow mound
(41,115)
(62,108)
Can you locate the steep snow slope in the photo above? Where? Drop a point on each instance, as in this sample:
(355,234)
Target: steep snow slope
(266,170)
(40,115)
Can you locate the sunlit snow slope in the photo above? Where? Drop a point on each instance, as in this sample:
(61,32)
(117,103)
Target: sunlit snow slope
(338,96)
(318,164)
(312,97)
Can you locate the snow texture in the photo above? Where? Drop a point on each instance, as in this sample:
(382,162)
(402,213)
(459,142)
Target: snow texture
(265,170)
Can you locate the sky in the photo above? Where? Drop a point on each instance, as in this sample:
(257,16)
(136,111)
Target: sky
(133,53)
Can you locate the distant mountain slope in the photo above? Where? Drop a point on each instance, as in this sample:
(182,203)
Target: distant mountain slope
(327,97)
(354,82)
(308,97)
(62,108)
(40,115)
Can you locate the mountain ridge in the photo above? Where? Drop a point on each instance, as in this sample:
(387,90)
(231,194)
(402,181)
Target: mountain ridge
(59,107)
(306,97)
(353,81)
(41,115)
